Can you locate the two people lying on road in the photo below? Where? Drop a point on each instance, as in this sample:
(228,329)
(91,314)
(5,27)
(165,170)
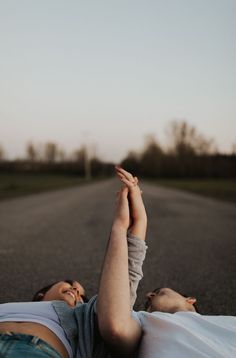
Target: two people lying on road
(170,327)
(61,322)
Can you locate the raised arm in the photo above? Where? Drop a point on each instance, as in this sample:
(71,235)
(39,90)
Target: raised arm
(138,214)
(136,233)
(114,316)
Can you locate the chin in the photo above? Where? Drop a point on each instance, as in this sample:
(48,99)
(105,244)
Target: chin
(66,300)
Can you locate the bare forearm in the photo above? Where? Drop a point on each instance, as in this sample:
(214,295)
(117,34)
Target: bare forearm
(114,291)
(139,216)
(138,229)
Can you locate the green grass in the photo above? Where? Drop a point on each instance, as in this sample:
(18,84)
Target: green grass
(222,189)
(13,185)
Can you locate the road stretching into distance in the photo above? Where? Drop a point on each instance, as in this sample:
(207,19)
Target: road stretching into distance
(63,234)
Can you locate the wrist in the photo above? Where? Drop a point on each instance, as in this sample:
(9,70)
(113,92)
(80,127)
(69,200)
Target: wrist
(118,226)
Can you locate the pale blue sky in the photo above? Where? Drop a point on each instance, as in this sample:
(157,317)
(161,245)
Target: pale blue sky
(116,70)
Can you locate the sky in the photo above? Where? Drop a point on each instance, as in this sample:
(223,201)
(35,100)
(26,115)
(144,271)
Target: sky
(107,73)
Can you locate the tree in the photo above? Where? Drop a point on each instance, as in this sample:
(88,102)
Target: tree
(81,156)
(131,163)
(2,153)
(233,149)
(186,141)
(61,155)
(151,157)
(31,152)
(50,152)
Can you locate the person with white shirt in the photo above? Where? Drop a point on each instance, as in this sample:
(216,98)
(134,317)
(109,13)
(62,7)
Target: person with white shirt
(170,327)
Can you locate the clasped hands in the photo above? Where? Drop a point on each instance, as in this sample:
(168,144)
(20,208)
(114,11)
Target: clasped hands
(130,211)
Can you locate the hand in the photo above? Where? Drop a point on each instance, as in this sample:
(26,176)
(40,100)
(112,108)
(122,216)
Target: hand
(127,178)
(137,208)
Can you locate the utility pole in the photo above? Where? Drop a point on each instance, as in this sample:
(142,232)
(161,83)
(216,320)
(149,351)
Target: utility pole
(87,164)
(87,161)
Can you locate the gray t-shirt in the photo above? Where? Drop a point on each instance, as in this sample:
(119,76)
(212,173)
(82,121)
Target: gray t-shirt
(80,323)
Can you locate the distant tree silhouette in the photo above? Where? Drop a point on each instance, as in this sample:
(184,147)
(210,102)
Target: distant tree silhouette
(132,163)
(189,155)
(32,153)
(78,155)
(2,153)
(82,157)
(50,152)
(151,158)
(233,149)
(186,141)
(181,138)
(61,155)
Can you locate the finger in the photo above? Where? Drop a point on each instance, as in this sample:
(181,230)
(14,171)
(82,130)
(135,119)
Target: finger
(128,183)
(136,180)
(121,177)
(126,174)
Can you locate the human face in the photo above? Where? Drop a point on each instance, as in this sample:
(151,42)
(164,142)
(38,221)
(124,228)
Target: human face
(167,300)
(64,291)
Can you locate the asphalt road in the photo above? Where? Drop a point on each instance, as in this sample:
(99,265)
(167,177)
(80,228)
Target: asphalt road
(63,234)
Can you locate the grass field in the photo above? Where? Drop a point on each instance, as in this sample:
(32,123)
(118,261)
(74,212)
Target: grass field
(13,185)
(222,189)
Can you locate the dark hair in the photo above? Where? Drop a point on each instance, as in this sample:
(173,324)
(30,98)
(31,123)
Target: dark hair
(38,296)
(156,290)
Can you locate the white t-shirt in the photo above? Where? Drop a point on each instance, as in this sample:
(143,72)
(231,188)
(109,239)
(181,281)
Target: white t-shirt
(186,335)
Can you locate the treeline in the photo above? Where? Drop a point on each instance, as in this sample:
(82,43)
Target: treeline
(188,155)
(49,158)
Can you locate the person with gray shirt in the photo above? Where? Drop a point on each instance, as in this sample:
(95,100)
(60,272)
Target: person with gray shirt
(59,322)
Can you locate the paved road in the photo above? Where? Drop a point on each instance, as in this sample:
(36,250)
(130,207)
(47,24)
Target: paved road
(62,234)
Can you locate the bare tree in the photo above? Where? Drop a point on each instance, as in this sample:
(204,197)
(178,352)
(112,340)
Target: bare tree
(185,140)
(152,156)
(82,157)
(50,152)
(233,149)
(32,152)
(78,155)
(205,146)
(2,153)
(61,155)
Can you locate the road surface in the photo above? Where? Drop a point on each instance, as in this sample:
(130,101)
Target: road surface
(62,234)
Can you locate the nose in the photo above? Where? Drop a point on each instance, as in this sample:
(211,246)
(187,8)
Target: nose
(77,292)
(150,295)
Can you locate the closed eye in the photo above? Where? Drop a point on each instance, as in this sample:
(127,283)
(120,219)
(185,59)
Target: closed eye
(157,290)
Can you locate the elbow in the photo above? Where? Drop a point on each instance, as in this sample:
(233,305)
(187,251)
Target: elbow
(112,333)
